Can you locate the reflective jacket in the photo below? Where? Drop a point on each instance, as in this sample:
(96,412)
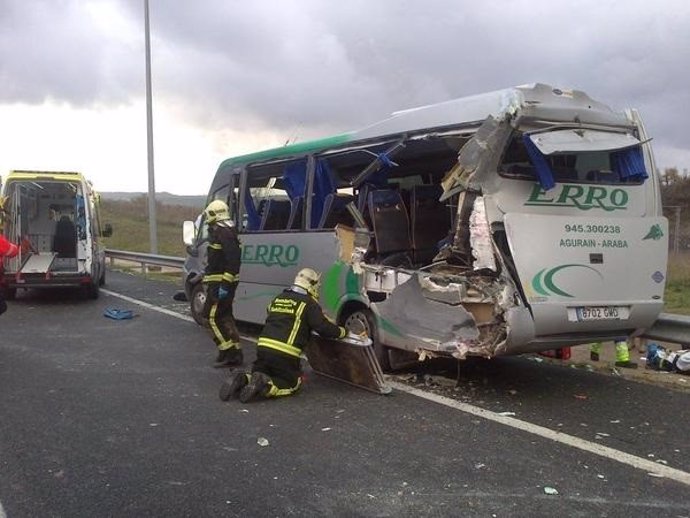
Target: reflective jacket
(7,248)
(291,318)
(223,256)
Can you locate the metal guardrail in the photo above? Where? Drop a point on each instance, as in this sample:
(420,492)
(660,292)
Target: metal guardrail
(669,327)
(145,259)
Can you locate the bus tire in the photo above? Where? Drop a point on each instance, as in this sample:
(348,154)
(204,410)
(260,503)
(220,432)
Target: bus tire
(197,301)
(363,320)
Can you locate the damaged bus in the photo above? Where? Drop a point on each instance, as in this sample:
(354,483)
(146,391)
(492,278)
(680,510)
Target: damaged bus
(514,221)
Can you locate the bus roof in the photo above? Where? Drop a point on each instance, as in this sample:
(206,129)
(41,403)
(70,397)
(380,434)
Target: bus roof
(532,101)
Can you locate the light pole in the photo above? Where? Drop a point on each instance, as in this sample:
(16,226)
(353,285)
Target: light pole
(153,234)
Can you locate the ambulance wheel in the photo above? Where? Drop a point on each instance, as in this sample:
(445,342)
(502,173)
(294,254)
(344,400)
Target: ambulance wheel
(362,321)
(197,303)
(93,290)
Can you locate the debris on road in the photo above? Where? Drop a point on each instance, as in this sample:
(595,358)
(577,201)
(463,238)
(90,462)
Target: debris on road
(550,490)
(262,441)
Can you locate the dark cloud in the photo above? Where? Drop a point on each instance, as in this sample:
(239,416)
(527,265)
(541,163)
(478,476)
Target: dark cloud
(53,49)
(328,66)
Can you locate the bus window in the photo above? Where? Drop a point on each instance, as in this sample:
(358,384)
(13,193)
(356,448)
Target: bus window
(608,167)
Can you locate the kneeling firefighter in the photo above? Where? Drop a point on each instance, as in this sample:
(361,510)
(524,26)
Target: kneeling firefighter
(221,277)
(292,316)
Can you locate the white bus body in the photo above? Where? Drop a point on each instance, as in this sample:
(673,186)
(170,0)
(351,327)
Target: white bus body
(520,220)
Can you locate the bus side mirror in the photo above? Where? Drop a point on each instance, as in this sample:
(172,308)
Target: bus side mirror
(188,232)
(107,230)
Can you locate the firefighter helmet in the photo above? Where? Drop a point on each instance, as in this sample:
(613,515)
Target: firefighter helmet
(309,280)
(216,211)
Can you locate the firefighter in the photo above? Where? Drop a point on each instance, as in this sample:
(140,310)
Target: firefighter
(221,278)
(292,316)
(622,353)
(7,249)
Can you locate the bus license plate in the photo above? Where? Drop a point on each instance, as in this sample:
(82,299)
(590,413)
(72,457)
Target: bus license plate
(588,313)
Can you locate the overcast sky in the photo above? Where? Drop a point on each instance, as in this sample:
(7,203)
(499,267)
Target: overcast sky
(231,77)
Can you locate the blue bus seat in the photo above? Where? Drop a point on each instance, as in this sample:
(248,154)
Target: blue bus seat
(275,214)
(390,221)
(430,221)
(335,211)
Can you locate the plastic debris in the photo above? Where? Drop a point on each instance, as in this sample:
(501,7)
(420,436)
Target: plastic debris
(327,429)
(118,314)
(550,490)
(262,441)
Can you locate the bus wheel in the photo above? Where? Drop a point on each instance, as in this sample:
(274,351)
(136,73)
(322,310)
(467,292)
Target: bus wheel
(362,321)
(197,303)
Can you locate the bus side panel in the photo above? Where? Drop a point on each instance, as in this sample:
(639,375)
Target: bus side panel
(570,262)
(270,261)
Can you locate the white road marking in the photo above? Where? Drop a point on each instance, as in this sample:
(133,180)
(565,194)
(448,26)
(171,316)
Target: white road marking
(2,512)
(552,435)
(569,440)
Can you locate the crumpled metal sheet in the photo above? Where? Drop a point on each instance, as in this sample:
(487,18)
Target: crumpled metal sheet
(478,158)
(415,315)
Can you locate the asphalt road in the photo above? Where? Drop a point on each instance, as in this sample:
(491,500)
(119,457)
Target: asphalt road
(121,418)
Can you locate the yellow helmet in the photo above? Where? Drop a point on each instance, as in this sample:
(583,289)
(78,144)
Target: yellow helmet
(216,211)
(309,280)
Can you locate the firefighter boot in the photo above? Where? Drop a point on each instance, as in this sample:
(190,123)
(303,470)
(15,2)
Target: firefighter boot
(595,351)
(258,385)
(232,386)
(229,357)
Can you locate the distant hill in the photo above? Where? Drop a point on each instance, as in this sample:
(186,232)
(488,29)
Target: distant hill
(165,198)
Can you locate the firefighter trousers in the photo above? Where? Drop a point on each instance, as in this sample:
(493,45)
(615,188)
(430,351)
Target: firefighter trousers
(221,320)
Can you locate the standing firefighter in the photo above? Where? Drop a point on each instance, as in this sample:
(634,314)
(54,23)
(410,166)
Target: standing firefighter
(292,316)
(221,278)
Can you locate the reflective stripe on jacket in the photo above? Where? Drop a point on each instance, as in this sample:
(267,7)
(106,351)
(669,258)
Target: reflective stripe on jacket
(292,316)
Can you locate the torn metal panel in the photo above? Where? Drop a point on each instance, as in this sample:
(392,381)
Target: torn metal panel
(349,360)
(478,158)
(480,238)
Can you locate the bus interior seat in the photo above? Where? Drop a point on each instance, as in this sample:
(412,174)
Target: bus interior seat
(390,222)
(335,211)
(275,214)
(296,210)
(430,221)
(65,239)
